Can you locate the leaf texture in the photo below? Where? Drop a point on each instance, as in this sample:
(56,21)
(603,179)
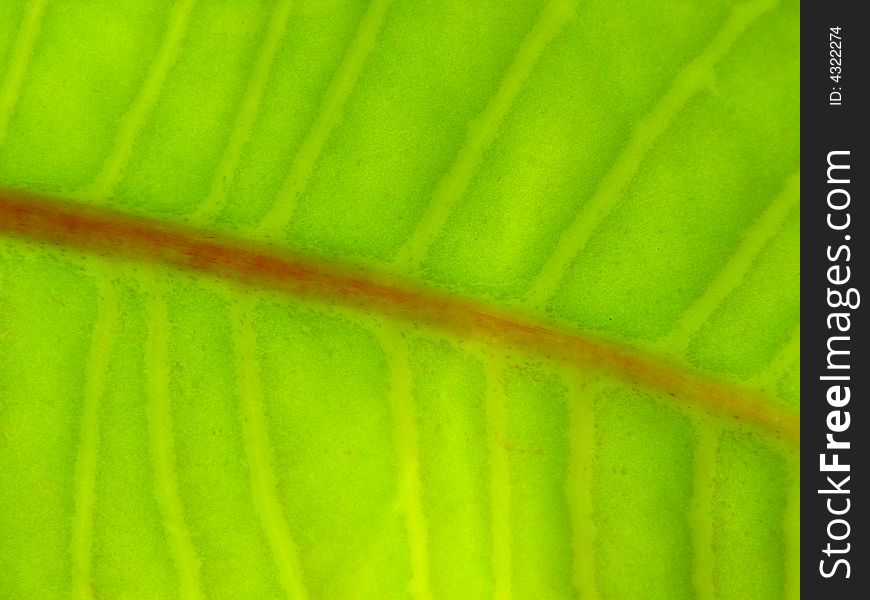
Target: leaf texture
(624,172)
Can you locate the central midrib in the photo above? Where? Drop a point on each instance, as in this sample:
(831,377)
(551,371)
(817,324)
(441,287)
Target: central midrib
(116,235)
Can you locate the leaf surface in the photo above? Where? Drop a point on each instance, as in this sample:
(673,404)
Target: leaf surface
(625,174)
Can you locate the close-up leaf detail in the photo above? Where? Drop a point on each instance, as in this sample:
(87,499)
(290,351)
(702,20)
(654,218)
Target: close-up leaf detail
(399,299)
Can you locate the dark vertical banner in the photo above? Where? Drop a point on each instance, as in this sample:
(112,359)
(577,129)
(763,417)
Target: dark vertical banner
(834,271)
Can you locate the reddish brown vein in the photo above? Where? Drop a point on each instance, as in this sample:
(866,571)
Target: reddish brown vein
(115,235)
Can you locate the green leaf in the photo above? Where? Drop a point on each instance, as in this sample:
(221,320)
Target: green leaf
(616,177)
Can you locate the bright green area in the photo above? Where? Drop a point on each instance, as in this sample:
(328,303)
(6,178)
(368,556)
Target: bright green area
(42,386)
(729,343)
(86,67)
(614,168)
(198,100)
(561,137)
(449,398)
(789,386)
(643,480)
(700,188)
(430,74)
(127,526)
(536,440)
(11,14)
(324,382)
(210,448)
(291,97)
(750,490)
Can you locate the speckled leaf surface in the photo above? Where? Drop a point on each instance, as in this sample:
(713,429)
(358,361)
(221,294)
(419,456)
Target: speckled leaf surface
(628,170)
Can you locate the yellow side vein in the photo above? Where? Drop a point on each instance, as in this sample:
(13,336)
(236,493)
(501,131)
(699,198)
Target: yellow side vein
(133,121)
(686,84)
(264,488)
(699,519)
(578,485)
(88,451)
(500,490)
(481,135)
(248,109)
(738,265)
(161,434)
(406,441)
(10,87)
(343,83)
